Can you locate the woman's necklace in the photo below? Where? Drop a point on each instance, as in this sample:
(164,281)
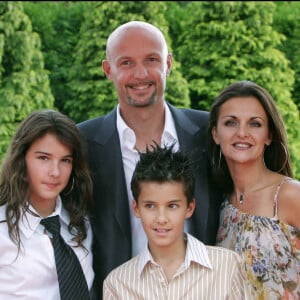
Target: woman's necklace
(241,199)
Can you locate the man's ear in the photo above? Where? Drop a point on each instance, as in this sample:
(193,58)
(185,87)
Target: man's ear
(135,209)
(106,68)
(169,64)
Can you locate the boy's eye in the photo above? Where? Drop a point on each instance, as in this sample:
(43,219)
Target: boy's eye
(173,205)
(149,205)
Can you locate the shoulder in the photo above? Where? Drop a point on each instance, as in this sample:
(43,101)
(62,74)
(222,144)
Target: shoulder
(223,256)
(289,202)
(2,212)
(193,114)
(94,123)
(124,272)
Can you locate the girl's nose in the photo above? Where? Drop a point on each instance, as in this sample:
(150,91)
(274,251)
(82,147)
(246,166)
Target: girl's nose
(54,169)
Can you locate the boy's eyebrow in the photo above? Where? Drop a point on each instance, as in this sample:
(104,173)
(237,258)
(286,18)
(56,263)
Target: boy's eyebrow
(153,201)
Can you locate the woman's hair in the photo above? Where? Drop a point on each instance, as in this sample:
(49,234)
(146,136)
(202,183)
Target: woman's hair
(14,184)
(276,155)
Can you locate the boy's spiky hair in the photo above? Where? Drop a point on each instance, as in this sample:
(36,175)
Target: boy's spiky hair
(162,164)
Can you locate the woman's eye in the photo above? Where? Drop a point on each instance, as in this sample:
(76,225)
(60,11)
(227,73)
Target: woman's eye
(230,123)
(255,124)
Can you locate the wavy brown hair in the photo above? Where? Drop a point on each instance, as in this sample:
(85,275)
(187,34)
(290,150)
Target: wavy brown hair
(14,185)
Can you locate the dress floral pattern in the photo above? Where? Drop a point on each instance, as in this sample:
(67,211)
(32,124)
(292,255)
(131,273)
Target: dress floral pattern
(269,248)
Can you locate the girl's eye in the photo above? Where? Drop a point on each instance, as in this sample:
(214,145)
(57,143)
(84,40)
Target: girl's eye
(67,160)
(42,157)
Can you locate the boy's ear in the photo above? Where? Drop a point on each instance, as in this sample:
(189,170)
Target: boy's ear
(190,209)
(135,208)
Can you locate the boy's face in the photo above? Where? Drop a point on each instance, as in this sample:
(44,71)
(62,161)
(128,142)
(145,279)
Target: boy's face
(163,209)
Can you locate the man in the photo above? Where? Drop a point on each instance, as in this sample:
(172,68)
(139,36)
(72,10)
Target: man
(138,64)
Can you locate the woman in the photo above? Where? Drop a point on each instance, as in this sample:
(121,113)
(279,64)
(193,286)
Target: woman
(260,217)
(44,175)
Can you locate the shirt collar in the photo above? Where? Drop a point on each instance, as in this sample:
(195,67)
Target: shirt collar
(195,252)
(30,219)
(128,138)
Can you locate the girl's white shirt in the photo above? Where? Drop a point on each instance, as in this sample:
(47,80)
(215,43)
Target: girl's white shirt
(32,274)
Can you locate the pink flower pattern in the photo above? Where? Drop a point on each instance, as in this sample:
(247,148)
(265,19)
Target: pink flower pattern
(270,250)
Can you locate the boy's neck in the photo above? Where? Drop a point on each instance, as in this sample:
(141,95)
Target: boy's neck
(169,258)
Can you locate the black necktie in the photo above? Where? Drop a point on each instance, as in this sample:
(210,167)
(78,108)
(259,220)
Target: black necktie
(72,282)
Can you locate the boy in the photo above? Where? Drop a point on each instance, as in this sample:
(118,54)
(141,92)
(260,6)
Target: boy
(174,265)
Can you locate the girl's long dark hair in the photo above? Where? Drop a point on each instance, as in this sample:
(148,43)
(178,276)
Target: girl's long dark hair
(14,186)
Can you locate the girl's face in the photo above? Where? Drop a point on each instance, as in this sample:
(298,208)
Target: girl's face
(242,130)
(49,165)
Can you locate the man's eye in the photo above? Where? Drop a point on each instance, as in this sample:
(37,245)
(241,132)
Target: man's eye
(126,62)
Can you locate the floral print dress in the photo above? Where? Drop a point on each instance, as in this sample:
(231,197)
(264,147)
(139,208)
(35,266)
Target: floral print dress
(269,248)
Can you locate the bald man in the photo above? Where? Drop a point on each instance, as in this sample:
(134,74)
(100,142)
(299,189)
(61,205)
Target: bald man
(138,64)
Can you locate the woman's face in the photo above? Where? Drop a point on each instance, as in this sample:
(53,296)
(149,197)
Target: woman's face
(242,130)
(49,165)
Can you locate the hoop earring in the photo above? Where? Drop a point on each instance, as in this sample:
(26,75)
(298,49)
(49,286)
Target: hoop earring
(71,189)
(286,156)
(220,158)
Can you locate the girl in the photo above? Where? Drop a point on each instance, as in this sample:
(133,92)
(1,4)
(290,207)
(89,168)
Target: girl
(44,174)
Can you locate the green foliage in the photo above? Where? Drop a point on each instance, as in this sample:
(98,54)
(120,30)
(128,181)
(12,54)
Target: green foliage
(213,44)
(58,24)
(287,22)
(24,81)
(236,41)
(92,93)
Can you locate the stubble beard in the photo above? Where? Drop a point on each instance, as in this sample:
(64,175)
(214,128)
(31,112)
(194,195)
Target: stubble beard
(136,103)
